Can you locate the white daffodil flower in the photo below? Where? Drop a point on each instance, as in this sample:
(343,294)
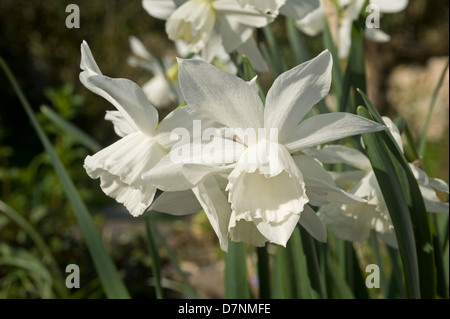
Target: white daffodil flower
(143,143)
(294,9)
(162,89)
(267,188)
(206,25)
(354,222)
(313,23)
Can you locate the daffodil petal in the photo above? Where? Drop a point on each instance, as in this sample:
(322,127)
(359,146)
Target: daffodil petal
(219,95)
(246,231)
(176,203)
(389,6)
(160,9)
(119,167)
(121,126)
(246,16)
(295,92)
(188,165)
(278,233)
(250,49)
(312,223)
(329,127)
(124,94)
(313,22)
(432,203)
(214,202)
(297,9)
(339,154)
(377,35)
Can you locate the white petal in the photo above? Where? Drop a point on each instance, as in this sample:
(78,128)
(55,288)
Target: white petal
(320,186)
(377,35)
(329,127)
(185,167)
(87,60)
(340,154)
(158,91)
(245,231)
(348,227)
(192,22)
(219,95)
(139,49)
(160,9)
(345,38)
(124,94)
(248,16)
(176,203)
(389,238)
(268,7)
(346,180)
(233,33)
(295,92)
(250,49)
(438,184)
(310,168)
(297,9)
(128,98)
(389,6)
(120,166)
(214,202)
(212,46)
(321,193)
(188,121)
(278,233)
(121,125)
(313,224)
(432,203)
(312,23)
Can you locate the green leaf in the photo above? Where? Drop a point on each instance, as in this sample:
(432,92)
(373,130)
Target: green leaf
(423,138)
(236,281)
(188,288)
(112,284)
(337,69)
(391,179)
(296,42)
(152,247)
(249,74)
(70,129)
(314,270)
(337,280)
(263,272)
(416,206)
(42,246)
(299,265)
(356,64)
(275,53)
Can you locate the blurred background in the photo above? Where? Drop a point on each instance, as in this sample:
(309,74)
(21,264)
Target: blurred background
(44,55)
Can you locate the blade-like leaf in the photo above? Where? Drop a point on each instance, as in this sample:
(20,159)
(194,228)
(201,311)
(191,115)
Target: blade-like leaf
(388,178)
(112,284)
(236,281)
(40,243)
(416,206)
(71,129)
